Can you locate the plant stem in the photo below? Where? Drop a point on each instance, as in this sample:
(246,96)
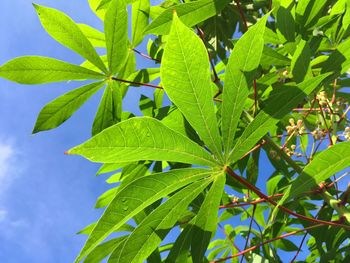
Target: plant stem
(137,83)
(266,242)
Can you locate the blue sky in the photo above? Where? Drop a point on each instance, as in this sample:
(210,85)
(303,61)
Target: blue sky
(45,196)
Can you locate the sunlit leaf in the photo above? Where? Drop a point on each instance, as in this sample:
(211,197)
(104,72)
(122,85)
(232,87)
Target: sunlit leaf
(62,108)
(150,140)
(39,70)
(129,202)
(190,14)
(186,79)
(116,30)
(65,31)
(239,75)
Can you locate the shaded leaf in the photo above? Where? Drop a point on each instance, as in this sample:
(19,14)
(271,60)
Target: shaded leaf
(322,167)
(278,105)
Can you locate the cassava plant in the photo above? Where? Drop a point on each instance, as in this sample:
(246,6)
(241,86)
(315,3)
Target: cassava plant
(249,83)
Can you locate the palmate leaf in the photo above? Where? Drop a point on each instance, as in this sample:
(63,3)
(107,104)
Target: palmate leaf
(140,17)
(94,7)
(62,108)
(243,62)
(110,109)
(96,37)
(136,196)
(142,138)
(185,74)
(198,232)
(207,218)
(39,70)
(190,13)
(323,166)
(116,31)
(103,250)
(65,31)
(278,105)
(150,233)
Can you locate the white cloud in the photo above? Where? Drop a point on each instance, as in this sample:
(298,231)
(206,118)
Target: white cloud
(7,154)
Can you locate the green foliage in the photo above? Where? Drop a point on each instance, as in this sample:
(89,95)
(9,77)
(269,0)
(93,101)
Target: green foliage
(274,96)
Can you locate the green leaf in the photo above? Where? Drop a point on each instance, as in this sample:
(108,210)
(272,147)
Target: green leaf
(142,139)
(242,64)
(135,197)
(116,30)
(300,65)
(207,218)
(285,25)
(271,57)
(140,17)
(96,38)
(307,11)
(190,14)
(103,250)
(150,233)
(99,12)
(339,61)
(65,31)
(278,105)
(62,108)
(110,109)
(323,166)
(39,70)
(185,74)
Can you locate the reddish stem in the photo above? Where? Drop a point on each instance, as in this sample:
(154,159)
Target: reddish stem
(244,20)
(284,209)
(266,242)
(145,55)
(137,83)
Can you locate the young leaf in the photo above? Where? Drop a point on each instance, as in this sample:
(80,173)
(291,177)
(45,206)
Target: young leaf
(185,74)
(140,16)
(94,7)
(62,108)
(154,228)
(116,30)
(136,196)
(96,38)
(243,61)
(322,167)
(110,109)
(65,31)
(278,105)
(207,218)
(190,13)
(142,139)
(39,70)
